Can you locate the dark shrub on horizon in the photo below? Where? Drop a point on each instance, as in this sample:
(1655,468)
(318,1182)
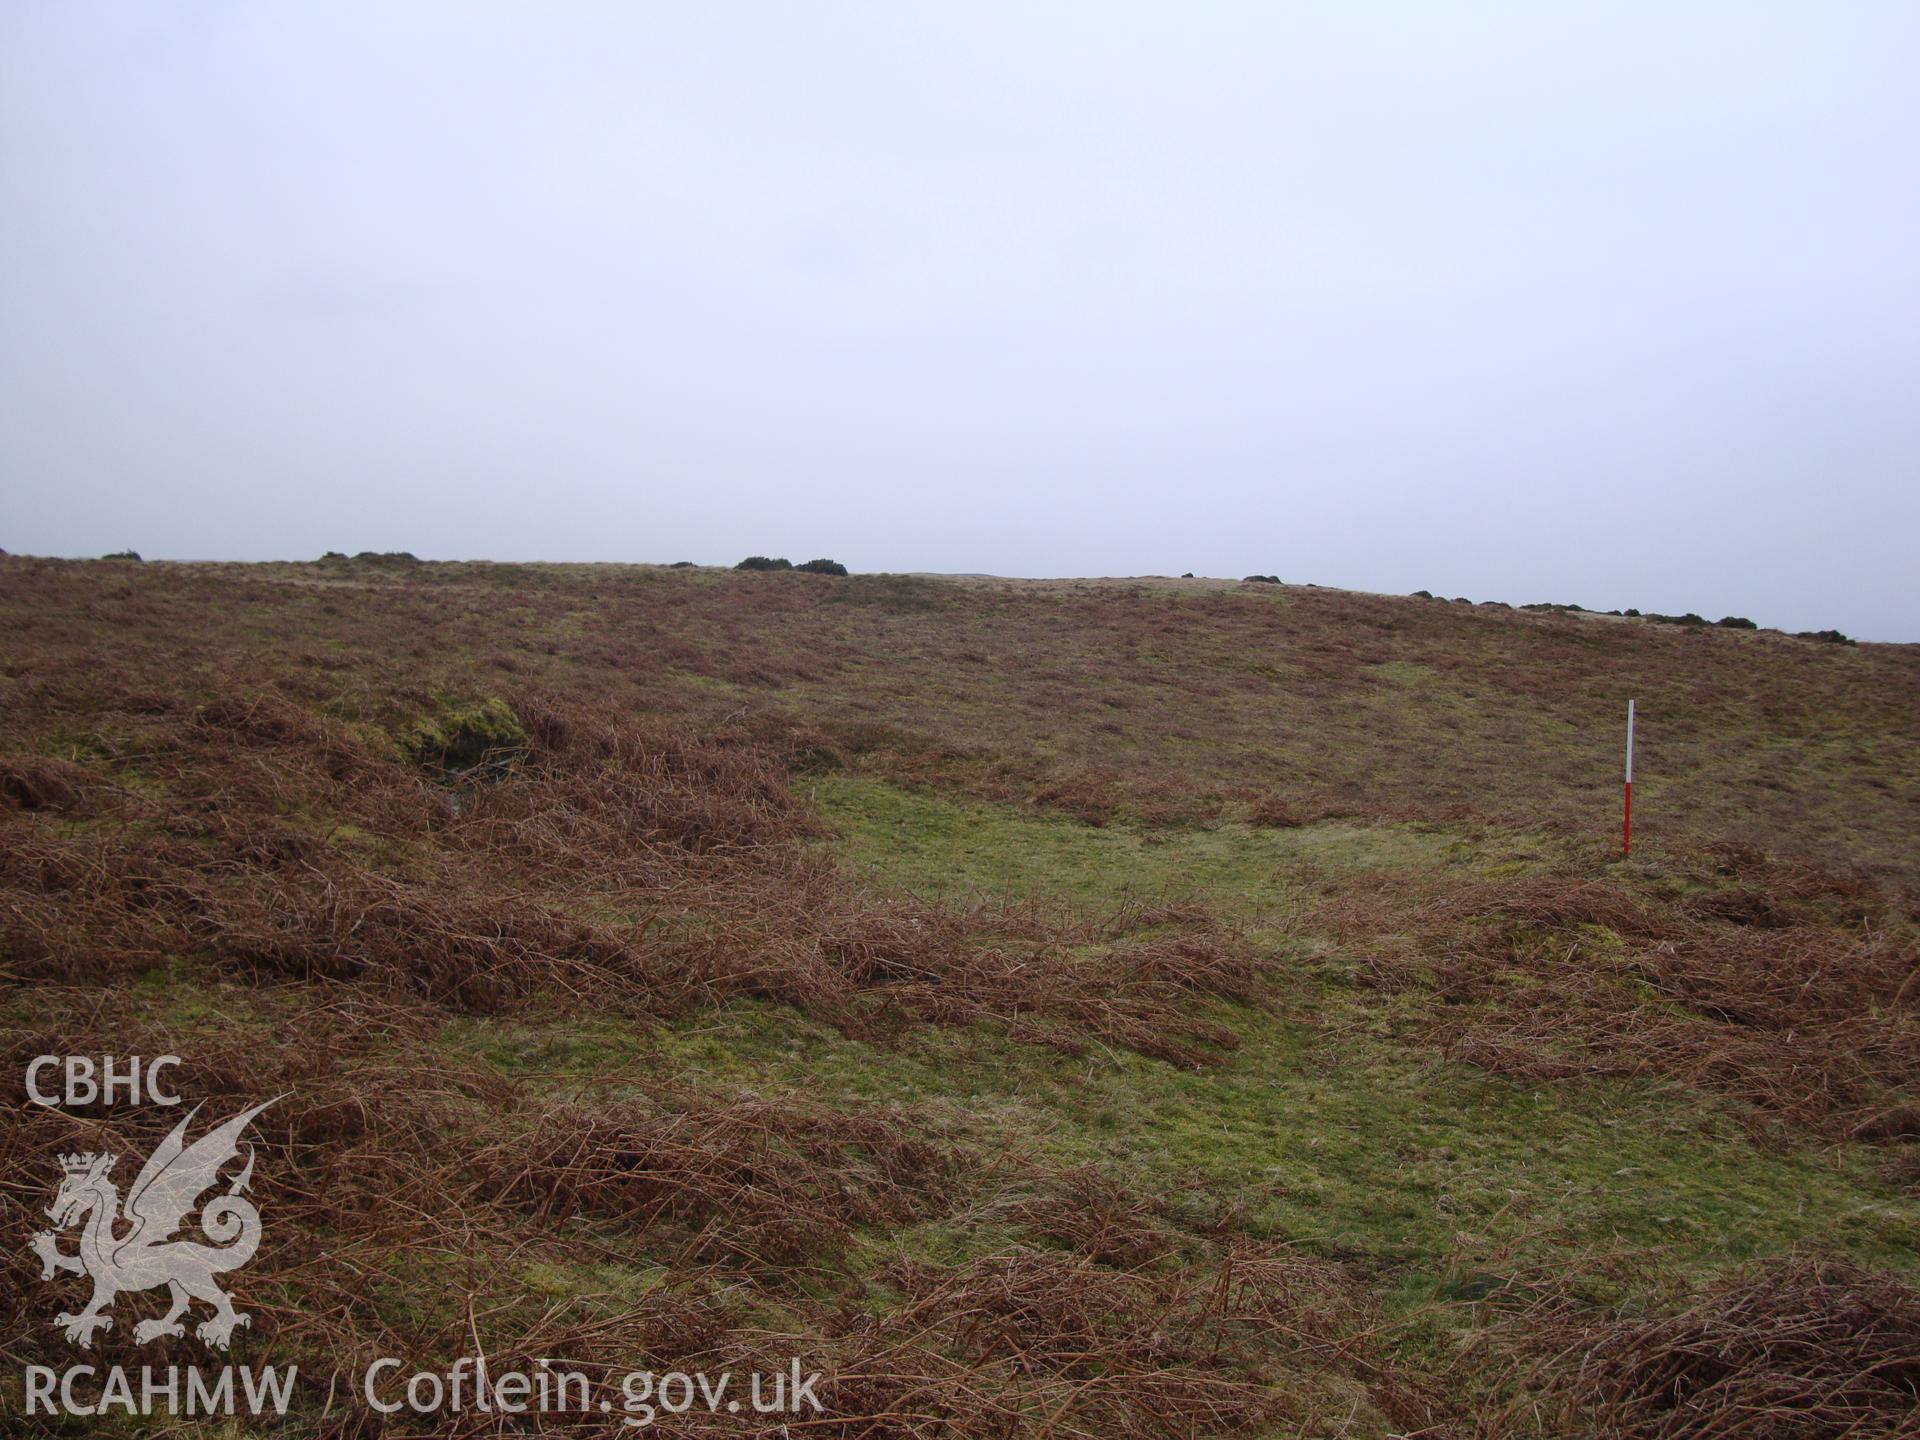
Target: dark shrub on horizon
(1261,580)
(1687,619)
(1423,594)
(1736,622)
(764,562)
(823,567)
(1832,637)
(122,555)
(681,565)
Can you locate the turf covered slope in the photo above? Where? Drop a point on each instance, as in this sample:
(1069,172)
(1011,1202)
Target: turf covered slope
(1126,1008)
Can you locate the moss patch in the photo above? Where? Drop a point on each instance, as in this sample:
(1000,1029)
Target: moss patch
(459,737)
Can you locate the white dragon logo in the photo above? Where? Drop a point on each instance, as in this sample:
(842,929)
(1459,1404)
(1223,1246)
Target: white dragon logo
(147,1256)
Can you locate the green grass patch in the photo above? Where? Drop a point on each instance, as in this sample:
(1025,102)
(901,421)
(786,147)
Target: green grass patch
(947,849)
(1349,1138)
(1353,1147)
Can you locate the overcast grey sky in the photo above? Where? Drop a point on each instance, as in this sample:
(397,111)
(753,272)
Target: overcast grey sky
(1615,303)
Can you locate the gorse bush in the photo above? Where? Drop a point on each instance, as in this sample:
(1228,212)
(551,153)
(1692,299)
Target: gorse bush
(813,567)
(1737,622)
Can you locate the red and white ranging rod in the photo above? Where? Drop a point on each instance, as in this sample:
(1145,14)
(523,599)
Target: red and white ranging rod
(1626,825)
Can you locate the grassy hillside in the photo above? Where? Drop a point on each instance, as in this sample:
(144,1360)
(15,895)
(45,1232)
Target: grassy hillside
(1151,1008)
